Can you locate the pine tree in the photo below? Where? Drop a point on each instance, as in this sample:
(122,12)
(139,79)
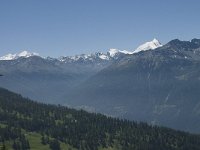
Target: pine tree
(43,141)
(54,145)
(3,147)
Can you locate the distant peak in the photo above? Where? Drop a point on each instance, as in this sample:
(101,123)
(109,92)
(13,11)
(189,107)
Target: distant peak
(113,52)
(148,46)
(155,40)
(174,41)
(25,54)
(196,41)
(178,44)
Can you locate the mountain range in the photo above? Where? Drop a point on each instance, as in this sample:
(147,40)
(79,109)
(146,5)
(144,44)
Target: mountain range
(156,83)
(26,71)
(110,54)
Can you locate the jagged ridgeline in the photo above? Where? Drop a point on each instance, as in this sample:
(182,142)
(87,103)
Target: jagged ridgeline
(155,83)
(25,124)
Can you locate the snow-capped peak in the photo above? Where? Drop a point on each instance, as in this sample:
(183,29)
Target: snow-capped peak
(25,54)
(8,57)
(103,56)
(112,52)
(148,46)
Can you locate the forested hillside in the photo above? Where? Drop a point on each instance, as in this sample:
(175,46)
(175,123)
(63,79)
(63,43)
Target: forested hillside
(25,124)
(159,86)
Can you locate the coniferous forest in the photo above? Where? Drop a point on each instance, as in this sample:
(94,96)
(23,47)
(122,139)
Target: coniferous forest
(25,124)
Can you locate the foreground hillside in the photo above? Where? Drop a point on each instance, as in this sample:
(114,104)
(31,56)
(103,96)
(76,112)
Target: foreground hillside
(25,124)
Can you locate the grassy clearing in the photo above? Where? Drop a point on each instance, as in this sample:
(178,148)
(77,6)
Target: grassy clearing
(35,143)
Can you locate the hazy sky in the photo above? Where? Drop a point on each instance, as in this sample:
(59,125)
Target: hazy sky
(68,27)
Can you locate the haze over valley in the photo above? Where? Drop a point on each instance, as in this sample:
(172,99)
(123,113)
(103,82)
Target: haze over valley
(99,75)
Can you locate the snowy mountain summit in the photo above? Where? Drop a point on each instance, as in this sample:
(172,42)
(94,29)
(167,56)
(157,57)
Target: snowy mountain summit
(111,54)
(148,46)
(144,47)
(24,54)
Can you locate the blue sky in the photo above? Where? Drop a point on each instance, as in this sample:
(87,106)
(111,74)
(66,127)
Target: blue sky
(68,27)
